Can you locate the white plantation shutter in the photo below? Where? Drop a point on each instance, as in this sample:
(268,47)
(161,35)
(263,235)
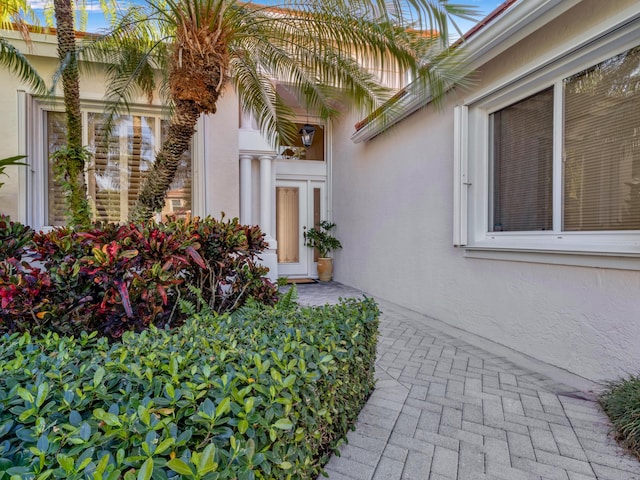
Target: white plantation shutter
(118,166)
(56,138)
(119,163)
(179,196)
(460,174)
(104,177)
(140,133)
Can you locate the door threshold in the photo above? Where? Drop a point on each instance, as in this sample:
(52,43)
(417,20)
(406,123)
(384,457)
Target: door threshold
(301,280)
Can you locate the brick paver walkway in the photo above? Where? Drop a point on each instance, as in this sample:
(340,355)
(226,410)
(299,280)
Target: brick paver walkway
(444,409)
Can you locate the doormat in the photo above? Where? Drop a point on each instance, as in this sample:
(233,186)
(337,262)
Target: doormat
(301,280)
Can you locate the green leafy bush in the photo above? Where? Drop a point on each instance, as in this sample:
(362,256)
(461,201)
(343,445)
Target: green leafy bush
(15,238)
(621,402)
(232,275)
(264,393)
(115,278)
(320,238)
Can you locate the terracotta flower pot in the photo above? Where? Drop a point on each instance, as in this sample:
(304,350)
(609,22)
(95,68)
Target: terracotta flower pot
(325,269)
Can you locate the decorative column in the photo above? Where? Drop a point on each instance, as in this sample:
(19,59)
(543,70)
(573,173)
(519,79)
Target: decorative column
(246,216)
(270,256)
(265,194)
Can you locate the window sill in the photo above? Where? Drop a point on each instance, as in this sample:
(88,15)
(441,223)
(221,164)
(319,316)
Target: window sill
(577,258)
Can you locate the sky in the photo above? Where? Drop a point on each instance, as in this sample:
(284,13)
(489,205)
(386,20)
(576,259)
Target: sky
(485,7)
(96,20)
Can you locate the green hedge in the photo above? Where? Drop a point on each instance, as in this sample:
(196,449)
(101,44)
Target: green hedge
(265,393)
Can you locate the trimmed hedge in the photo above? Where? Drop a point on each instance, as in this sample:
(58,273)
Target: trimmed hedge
(265,393)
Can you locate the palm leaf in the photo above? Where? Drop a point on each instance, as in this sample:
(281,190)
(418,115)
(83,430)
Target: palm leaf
(323,52)
(10,161)
(18,64)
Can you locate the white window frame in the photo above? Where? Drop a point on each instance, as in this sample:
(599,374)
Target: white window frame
(610,249)
(37,183)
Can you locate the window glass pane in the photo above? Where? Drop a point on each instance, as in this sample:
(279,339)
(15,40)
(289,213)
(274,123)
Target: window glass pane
(522,164)
(178,201)
(120,162)
(56,138)
(287,224)
(317,206)
(602,146)
(316,150)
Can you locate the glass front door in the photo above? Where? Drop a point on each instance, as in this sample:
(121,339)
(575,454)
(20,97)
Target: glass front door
(300,205)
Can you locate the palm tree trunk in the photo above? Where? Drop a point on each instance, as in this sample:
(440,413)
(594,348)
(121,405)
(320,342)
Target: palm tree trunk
(181,129)
(70,163)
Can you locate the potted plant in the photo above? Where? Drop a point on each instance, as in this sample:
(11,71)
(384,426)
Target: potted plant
(319,237)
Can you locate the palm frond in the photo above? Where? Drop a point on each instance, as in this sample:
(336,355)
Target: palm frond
(17,14)
(131,54)
(259,96)
(19,65)
(323,55)
(322,51)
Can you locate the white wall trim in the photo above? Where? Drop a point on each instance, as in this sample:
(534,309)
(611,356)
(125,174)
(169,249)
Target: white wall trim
(606,260)
(23,172)
(618,29)
(517,22)
(460,174)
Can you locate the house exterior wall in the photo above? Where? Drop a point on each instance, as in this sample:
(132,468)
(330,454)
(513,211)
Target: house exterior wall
(219,137)
(11,137)
(9,192)
(214,150)
(393,204)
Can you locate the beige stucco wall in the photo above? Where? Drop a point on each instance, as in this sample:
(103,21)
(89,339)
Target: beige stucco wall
(393,203)
(8,148)
(221,163)
(9,87)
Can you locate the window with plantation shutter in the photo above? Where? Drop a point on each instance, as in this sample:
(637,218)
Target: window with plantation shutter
(121,158)
(56,138)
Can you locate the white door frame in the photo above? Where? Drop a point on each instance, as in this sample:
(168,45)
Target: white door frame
(306,267)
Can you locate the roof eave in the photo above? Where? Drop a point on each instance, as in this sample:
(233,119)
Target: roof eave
(508,24)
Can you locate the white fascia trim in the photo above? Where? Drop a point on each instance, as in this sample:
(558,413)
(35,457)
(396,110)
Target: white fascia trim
(608,260)
(40,44)
(411,101)
(517,22)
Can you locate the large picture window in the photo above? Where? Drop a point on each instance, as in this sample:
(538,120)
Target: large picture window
(118,166)
(599,151)
(547,158)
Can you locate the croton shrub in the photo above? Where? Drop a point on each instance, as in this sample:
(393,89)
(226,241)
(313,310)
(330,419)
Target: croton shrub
(15,238)
(114,278)
(264,393)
